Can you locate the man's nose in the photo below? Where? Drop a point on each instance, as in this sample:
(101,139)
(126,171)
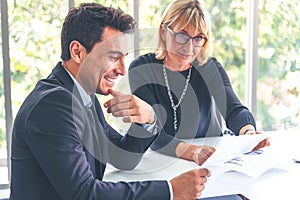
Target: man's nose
(121,67)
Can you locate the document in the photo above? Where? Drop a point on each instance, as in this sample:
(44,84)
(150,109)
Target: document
(255,163)
(235,154)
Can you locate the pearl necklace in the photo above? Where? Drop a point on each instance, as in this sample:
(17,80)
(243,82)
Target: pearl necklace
(170,95)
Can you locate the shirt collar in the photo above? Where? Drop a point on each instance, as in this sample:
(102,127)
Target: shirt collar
(86,99)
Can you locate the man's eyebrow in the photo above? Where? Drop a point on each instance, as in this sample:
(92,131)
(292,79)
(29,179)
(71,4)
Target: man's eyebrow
(115,52)
(118,53)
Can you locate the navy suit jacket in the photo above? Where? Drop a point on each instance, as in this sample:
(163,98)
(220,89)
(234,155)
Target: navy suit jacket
(56,154)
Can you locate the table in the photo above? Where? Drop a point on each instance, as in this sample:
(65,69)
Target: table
(273,184)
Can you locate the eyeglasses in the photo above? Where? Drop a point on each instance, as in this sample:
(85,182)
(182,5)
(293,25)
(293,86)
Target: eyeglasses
(181,38)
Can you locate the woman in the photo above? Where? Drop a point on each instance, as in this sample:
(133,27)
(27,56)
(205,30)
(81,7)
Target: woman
(188,88)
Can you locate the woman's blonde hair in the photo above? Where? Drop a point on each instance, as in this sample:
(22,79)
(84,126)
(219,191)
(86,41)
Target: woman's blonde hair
(181,13)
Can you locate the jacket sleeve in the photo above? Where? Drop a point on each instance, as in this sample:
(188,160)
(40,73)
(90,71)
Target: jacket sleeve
(124,151)
(53,138)
(234,112)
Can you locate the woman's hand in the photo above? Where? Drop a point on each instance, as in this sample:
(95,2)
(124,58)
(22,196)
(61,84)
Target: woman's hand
(198,154)
(202,153)
(264,143)
(250,130)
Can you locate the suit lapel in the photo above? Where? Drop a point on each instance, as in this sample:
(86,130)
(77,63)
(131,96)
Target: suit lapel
(93,134)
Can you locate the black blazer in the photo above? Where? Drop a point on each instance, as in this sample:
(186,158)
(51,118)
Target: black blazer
(56,155)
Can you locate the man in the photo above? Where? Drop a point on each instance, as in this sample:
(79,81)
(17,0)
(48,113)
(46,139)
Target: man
(61,141)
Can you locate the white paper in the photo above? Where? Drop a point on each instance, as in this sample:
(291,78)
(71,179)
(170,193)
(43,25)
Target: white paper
(231,146)
(230,156)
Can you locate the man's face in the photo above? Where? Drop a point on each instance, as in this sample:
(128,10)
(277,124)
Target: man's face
(104,63)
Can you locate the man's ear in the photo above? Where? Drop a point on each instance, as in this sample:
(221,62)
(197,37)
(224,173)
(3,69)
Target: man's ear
(76,51)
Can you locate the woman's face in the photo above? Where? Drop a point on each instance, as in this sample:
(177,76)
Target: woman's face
(181,54)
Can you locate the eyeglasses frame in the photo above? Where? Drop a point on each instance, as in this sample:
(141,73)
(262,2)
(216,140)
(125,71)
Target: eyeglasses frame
(189,37)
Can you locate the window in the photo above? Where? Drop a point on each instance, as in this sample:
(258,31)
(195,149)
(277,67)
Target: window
(278,86)
(230,35)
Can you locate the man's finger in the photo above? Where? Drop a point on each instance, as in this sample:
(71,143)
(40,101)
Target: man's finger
(117,99)
(127,119)
(114,93)
(203,172)
(120,113)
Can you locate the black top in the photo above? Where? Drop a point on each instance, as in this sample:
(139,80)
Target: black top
(209,97)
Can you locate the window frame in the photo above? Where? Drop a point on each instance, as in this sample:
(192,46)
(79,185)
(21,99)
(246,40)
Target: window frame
(6,83)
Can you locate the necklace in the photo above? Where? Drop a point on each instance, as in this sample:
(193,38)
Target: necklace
(170,95)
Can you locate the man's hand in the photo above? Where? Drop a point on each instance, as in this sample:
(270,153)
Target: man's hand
(198,154)
(130,107)
(189,185)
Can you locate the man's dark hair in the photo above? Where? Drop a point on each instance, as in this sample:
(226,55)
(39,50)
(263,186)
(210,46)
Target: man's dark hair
(86,23)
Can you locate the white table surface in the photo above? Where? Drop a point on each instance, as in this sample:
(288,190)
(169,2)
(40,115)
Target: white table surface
(273,184)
